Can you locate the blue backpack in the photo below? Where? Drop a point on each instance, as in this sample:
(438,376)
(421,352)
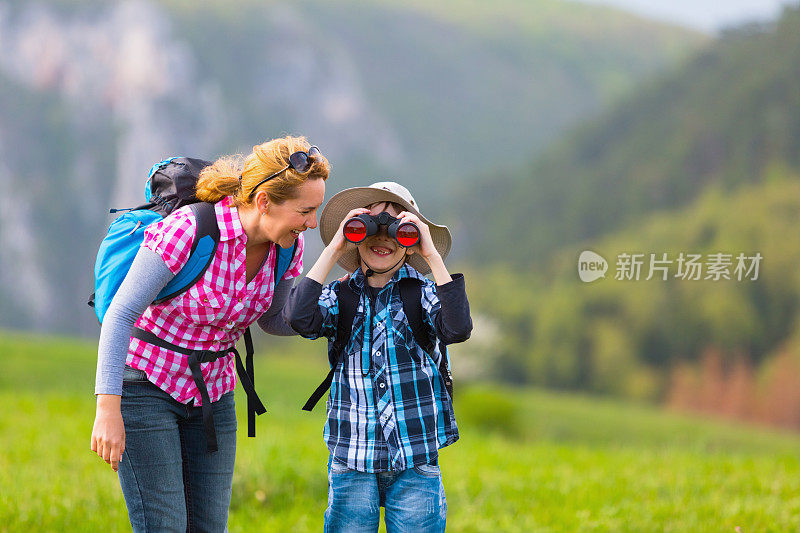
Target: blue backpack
(171,184)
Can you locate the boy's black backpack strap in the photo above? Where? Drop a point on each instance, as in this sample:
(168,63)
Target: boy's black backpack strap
(411,295)
(347,300)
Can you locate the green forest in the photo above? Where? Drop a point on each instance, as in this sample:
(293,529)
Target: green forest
(704,160)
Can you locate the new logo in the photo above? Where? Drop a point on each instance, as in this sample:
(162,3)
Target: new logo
(591,266)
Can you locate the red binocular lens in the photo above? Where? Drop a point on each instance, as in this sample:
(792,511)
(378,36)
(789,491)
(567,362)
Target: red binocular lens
(407,234)
(360,227)
(355,230)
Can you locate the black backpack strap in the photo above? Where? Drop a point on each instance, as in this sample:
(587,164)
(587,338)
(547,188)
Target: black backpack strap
(247,377)
(194,358)
(246,371)
(444,370)
(206,217)
(411,296)
(347,301)
(206,220)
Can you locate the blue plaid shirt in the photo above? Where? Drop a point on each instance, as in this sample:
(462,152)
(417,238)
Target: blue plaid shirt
(388,408)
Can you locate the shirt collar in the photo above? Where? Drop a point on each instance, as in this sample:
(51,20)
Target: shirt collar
(358,279)
(230,227)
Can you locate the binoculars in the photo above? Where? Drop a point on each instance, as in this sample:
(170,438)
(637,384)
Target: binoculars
(360,227)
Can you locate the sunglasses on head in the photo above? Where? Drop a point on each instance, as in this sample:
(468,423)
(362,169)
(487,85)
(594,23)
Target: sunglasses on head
(299,161)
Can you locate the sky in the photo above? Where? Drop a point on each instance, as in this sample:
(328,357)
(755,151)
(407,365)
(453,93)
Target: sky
(707,15)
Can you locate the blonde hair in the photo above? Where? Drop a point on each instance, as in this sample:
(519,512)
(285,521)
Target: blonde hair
(222,178)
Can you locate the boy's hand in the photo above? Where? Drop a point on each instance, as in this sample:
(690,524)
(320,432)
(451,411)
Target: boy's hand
(427,250)
(338,246)
(338,243)
(425,245)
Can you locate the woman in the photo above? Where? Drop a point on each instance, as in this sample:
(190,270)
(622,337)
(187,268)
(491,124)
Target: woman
(149,422)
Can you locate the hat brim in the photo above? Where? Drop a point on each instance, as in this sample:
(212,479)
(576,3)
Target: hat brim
(345,201)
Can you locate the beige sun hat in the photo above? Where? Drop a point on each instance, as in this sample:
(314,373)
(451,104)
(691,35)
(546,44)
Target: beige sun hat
(383,191)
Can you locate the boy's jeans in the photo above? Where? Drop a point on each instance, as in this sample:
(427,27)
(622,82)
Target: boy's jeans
(413,500)
(170,481)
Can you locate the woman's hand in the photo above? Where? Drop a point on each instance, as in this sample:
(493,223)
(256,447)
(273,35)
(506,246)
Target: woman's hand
(108,433)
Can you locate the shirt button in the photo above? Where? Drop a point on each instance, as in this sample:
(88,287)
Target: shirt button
(378,354)
(381,385)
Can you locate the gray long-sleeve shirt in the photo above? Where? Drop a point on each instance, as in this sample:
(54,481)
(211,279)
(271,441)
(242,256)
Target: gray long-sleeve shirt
(147,276)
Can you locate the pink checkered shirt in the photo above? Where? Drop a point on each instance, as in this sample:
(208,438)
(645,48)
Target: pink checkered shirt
(213,313)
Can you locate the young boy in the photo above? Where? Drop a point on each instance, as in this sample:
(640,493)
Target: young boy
(389,411)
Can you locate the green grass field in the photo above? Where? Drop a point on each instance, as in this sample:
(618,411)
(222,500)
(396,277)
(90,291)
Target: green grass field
(527,460)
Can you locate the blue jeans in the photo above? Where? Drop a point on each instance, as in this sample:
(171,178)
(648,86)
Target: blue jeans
(413,500)
(169,480)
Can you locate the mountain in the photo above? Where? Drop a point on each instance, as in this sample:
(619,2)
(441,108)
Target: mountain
(419,89)
(705,162)
(723,119)
(92,93)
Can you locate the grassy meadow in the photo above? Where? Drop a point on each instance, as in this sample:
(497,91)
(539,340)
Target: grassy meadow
(528,460)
